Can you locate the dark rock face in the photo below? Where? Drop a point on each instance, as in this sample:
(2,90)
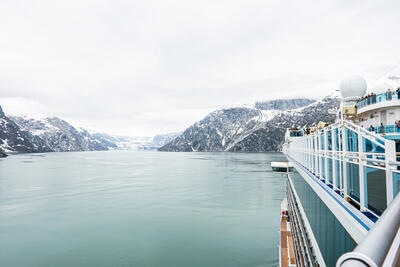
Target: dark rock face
(215,131)
(13,138)
(270,136)
(253,129)
(3,155)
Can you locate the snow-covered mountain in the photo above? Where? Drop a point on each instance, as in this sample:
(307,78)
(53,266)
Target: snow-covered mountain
(253,129)
(22,134)
(59,135)
(14,139)
(258,127)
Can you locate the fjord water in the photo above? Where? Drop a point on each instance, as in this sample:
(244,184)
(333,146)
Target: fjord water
(139,209)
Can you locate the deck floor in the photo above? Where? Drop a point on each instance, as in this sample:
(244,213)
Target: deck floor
(287,251)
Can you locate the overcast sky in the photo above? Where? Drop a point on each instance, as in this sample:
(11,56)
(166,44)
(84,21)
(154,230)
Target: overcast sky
(147,67)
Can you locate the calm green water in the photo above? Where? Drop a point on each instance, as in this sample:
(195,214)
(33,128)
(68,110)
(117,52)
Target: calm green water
(139,209)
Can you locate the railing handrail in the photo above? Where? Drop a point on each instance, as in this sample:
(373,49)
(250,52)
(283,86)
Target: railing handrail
(377,243)
(365,131)
(361,101)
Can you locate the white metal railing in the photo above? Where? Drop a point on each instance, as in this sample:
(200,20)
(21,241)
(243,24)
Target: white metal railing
(355,162)
(373,99)
(381,246)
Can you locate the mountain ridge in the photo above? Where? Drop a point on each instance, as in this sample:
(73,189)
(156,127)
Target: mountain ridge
(20,134)
(246,128)
(254,129)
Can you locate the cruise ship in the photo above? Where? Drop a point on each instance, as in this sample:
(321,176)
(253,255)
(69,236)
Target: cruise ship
(342,206)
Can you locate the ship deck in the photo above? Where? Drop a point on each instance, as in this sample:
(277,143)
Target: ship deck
(287,250)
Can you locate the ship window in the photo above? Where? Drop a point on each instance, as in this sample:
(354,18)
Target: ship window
(376,189)
(353,182)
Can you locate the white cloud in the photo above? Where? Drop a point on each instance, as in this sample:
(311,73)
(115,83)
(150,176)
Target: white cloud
(145,67)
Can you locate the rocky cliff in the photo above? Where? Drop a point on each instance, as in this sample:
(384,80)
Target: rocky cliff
(255,128)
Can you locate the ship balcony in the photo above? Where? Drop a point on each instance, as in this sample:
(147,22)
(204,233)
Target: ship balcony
(296,133)
(359,165)
(384,100)
(390,130)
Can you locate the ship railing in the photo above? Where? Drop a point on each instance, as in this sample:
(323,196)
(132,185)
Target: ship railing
(383,97)
(386,129)
(381,246)
(359,164)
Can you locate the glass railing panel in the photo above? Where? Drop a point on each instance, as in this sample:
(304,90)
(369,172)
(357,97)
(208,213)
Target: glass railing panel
(322,141)
(371,147)
(389,129)
(322,167)
(296,133)
(396,183)
(341,172)
(336,143)
(383,97)
(353,181)
(375,189)
(329,138)
(337,173)
(330,170)
(352,140)
(314,161)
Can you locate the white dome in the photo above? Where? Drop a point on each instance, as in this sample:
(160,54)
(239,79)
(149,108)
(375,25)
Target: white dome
(353,86)
(381,88)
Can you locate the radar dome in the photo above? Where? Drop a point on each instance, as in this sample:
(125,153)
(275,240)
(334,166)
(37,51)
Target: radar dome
(381,88)
(353,86)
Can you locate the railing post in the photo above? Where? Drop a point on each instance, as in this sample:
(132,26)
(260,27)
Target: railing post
(390,155)
(319,155)
(317,149)
(340,145)
(361,175)
(344,147)
(333,159)
(309,148)
(326,156)
(316,158)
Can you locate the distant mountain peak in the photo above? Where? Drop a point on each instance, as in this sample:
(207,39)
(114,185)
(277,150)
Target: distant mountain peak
(284,104)
(257,129)
(2,112)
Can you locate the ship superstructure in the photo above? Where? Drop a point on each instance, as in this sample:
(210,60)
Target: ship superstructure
(345,181)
